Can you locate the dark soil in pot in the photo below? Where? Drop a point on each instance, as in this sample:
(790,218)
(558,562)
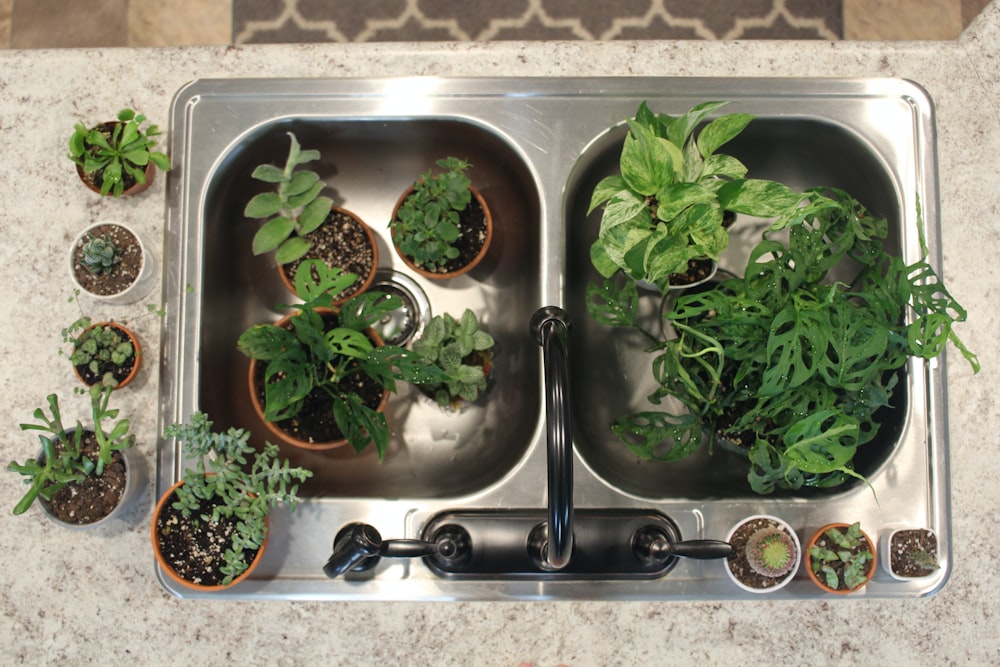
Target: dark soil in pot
(341,241)
(95,180)
(737,561)
(473,233)
(119,373)
(122,275)
(913,553)
(194,548)
(95,497)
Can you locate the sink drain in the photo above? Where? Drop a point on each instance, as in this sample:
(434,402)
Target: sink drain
(403,324)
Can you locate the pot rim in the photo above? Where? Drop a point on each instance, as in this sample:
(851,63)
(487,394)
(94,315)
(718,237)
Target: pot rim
(840,591)
(136,347)
(138,288)
(784,525)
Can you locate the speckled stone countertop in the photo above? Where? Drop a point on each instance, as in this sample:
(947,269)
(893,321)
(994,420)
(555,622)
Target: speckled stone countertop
(92,597)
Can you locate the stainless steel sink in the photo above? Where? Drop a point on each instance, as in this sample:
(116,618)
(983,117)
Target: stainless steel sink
(538,146)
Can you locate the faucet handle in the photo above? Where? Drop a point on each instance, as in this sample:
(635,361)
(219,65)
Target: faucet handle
(356,543)
(651,545)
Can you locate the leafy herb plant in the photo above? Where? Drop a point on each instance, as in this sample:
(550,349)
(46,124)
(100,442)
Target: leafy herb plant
(54,470)
(294,210)
(462,351)
(784,363)
(114,150)
(313,356)
(100,254)
(222,479)
(665,206)
(427,224)
(841,558)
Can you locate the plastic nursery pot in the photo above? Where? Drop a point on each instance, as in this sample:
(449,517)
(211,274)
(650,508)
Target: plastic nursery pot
(134,190)
(748,573)
(137,355)
(909,554)
(365,280)
(433,275)
(274,428)
(816,580)
(137,263)
(174,576)
(135,482)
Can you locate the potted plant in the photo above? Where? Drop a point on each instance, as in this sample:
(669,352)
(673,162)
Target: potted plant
(462,351)
(910,553)
(665,213)
(754,360)
(441,225)
(110,263)
(840,558)
(319,378)
(82,478)
(303,225)
(103,353)
(766,554)
(117,157)
(210,529)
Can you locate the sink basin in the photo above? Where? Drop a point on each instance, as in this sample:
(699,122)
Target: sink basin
(537,146)
(800,152)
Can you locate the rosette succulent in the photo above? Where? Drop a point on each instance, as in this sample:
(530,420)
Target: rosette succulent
(771,552)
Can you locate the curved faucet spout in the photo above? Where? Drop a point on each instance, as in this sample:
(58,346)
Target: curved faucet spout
(550,326)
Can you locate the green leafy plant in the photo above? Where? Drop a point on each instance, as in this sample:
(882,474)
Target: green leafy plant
(54,469)
(665,206)
(462,351)
(111,151)
(427,224)
(841,558)
(243,493)
(783,363)
(771,552)
(312,355)
(100,254)
(295,209)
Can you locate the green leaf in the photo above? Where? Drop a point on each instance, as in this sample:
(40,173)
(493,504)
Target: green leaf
(724,166)
(680,128)
(648,162)
(272,234)
(659,435)
(720,131)
(606,189)
(360,424)
(265,341)
(676,197)
(300,182)
(268,173)
(759,198)
(314,214)
(263,205)
(349,343)
(291,249)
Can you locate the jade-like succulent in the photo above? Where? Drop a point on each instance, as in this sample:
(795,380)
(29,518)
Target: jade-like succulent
(771,552)
(100,254)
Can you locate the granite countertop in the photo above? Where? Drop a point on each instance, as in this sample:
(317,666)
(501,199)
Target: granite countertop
(92,597)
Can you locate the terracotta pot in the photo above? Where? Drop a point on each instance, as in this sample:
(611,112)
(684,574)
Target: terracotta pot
(135,482)
(282,435)
(366,281)
(451,274)
(137,352)
(816,580)
(134,190)
(139,288)
(169,571)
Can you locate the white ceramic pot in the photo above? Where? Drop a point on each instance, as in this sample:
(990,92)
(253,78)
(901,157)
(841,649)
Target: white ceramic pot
(781,525)
(139,288)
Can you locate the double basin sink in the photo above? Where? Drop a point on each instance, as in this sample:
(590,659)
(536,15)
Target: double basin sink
(537,146)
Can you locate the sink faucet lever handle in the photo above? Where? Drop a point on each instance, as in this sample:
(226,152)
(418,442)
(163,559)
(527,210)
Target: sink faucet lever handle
(360,542)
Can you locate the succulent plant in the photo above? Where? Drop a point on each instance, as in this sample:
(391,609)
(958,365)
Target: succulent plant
(771,552)
(100,254)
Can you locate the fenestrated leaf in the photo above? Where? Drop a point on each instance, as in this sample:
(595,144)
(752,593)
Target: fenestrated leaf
(360,424)
(349,342)
(288,382)
(659,435)
(271,235)
(797,342)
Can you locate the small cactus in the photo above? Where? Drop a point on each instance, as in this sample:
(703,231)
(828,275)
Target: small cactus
(771,552)
(100,254)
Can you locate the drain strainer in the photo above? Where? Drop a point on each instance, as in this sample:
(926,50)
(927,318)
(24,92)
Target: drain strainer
(406,322)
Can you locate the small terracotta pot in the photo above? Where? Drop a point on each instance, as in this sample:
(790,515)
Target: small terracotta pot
(458,272)
(366,281)
(136,347)
(816,580)
(285,437)
(134,190)
(169,571)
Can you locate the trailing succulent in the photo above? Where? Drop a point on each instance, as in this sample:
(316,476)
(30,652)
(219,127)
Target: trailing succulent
(294,210)
(665,206)
(221,477)
(784,362)
(842,560)
(427,223)
(52,471)
(311,355)
(452,345)
(114,150)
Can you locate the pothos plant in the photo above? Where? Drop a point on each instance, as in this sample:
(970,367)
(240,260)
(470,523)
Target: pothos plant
(314,356)
(427,223)
(114,150)
(222,480)
(294,209)
(462,351)
(665,206)
(784,363)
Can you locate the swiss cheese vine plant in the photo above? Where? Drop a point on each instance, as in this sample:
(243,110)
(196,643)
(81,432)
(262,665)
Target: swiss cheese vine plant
(785,362)
(665,206)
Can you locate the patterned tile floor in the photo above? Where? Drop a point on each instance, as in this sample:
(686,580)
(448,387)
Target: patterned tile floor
(100,23)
